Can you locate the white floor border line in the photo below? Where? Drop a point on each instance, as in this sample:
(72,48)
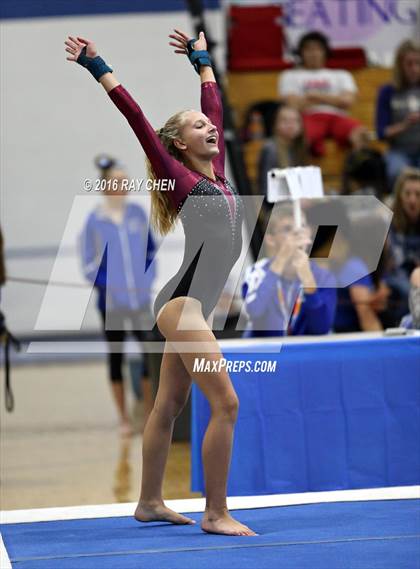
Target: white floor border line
(198,504)
(4,558)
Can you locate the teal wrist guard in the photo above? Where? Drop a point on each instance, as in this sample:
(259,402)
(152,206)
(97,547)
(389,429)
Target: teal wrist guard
(95,65)
(197,57)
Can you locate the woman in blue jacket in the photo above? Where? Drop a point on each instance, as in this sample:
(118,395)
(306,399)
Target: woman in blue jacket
(117,249)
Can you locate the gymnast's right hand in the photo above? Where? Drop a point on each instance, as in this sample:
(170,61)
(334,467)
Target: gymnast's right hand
(76,45)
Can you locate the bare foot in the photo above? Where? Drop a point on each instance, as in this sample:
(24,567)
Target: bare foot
(160,513)
(224,524)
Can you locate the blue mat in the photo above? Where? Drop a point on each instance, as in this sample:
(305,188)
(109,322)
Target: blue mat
(347,535)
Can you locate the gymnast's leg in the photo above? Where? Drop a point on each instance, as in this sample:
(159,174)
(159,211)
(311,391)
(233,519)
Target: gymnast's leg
(195,333)
(172,395)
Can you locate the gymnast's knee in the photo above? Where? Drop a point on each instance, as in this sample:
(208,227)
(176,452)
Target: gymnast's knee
(167,411)
(226,408)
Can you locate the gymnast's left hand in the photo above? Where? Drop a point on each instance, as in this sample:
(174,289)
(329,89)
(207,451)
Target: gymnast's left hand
(182,39)
(75,46)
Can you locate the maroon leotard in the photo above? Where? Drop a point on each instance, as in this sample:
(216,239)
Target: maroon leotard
(211,217)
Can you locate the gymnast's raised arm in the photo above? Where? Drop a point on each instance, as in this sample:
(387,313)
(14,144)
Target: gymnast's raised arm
(211,101)
(84,52)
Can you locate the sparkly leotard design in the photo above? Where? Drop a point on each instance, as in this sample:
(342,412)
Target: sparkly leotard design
(211,212)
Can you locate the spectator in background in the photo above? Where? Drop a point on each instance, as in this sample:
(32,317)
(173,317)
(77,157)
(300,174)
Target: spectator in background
(285,149)
(227,311)
(355,294)
(365,174)
(322,95)
(398,111)
(287,293)
(259,120)
(2,282)
(370,227)
(116,250)
(405,230)
(2,264)
(412,320)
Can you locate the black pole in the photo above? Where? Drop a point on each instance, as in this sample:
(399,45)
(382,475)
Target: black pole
(232,141)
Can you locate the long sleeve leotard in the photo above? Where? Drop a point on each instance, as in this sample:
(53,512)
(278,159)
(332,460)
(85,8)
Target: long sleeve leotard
(211,216)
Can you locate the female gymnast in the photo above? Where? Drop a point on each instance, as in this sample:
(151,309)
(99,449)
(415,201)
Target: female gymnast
(190,150)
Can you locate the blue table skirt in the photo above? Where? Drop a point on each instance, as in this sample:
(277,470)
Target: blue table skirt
(334,415)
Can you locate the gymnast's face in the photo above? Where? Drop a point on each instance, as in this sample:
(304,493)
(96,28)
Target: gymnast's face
(199,137)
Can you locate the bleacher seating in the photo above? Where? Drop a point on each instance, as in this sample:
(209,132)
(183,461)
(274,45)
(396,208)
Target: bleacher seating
(246,88)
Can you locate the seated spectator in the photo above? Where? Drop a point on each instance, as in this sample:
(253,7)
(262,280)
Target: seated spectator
(287,293)
(227,311)
(286,148)
(405,229)
(365,173)
(412,320)
(323,96)
(398,111)
(356,294)
(355,312)
(259,120)
(387,301)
